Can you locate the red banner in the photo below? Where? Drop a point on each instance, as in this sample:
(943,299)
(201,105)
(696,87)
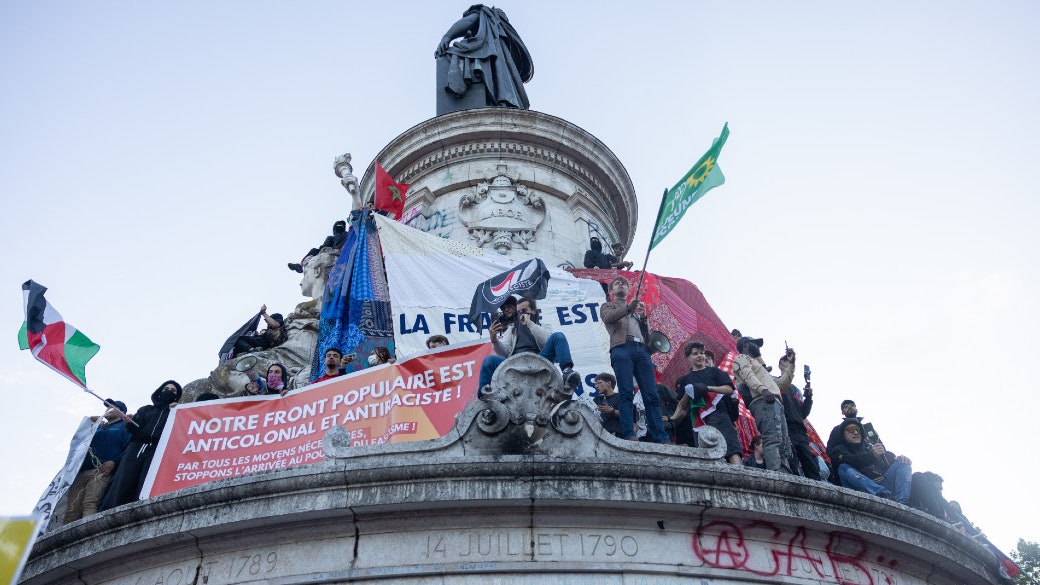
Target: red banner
(412,400)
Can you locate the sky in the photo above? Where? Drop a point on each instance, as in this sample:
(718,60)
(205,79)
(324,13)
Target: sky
(160,163)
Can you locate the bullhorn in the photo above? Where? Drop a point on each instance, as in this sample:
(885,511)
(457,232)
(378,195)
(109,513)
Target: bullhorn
(246,365)
(659,342)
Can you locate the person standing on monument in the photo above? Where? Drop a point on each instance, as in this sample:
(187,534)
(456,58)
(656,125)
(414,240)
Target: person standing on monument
(106,448)
(146,428)
(765,400)
(630,360)
(700,383)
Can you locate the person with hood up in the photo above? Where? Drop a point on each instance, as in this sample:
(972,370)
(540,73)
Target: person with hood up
(870,468)
(146,428)
(335,241)
(594,257)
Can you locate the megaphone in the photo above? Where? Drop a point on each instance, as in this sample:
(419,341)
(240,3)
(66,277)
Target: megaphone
(247,365)
(659,343)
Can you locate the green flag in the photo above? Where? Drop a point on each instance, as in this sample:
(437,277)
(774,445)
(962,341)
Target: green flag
(703,177)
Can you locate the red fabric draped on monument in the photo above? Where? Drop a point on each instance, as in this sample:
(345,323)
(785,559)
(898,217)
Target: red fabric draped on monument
(677,308)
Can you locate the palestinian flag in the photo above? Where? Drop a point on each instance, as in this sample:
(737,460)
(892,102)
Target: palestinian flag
(53,341)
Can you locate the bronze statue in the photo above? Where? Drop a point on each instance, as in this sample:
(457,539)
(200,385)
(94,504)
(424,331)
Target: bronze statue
(487,68)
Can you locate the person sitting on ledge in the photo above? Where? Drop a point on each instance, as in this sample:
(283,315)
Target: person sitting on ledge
(870,468)
(273,336)
(517,330)
(335,241)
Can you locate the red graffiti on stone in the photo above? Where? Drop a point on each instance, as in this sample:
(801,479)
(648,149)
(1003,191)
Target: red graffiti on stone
(768,550)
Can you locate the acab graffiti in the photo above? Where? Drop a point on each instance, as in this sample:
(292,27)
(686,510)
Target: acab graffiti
(765,549)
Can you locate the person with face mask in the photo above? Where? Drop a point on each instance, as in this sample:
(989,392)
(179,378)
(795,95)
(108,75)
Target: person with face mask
(271,383)
(594,257)
(765,400)
(277,379)
(335,241)
(146,428)
(380,355)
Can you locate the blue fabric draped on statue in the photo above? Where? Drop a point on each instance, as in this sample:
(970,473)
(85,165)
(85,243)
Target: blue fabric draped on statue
(355,309)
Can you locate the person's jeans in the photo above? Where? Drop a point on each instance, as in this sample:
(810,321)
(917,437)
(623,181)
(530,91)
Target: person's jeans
(772,425)
(632,360)
(895,484)
(556,350)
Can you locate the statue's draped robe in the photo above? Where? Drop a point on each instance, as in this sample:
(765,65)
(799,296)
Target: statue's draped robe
(494,57)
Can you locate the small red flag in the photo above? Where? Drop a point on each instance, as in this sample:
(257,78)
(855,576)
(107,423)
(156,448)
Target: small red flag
(389,194)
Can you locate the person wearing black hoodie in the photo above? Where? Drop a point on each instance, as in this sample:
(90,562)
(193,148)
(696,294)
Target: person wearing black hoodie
(594,257)
(145,429)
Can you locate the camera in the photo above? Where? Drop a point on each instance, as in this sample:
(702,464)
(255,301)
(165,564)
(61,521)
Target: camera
(600,400)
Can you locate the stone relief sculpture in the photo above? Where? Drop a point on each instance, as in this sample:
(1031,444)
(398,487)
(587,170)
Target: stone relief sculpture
(487,68)
(502,214)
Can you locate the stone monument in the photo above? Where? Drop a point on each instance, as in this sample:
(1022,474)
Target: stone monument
(526,487)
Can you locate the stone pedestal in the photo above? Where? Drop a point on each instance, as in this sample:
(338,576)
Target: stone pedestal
(523,183)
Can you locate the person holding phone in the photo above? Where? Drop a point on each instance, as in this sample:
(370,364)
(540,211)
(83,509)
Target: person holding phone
(607,403)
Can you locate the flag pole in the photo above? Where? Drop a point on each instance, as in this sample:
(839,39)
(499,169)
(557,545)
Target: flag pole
(646,260)
(106,402)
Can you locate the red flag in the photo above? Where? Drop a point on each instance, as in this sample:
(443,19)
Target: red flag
(389,194)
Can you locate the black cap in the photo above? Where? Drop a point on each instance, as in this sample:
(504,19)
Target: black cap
(745,340)
(847,402)
(118,404)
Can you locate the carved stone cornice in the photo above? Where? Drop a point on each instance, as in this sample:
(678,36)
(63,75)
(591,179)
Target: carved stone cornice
(437,147)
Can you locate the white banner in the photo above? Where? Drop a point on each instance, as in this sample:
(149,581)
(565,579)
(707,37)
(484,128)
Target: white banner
(432,281)
(48,503)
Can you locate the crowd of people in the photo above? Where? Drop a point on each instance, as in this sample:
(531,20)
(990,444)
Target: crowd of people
(630,402)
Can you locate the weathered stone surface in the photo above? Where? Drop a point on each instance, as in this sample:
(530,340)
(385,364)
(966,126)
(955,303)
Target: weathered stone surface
(565,183)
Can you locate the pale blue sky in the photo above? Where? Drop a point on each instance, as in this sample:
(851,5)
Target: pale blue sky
(161,162)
